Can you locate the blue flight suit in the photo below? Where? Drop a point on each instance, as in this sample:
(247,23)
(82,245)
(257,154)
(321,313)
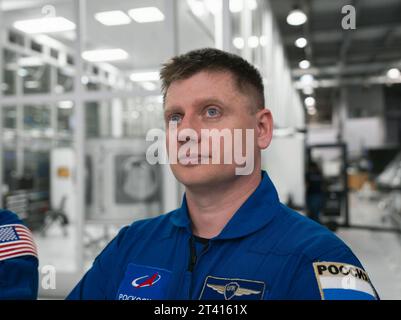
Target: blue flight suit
(266,251)
(18,268)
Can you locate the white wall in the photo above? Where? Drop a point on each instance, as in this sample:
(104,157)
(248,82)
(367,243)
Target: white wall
(284,162)
(284,159)
(321,134)
(364,132)
(358,133)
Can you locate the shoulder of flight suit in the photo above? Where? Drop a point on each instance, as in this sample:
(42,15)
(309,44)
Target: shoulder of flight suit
(8,217)
(314,245)
(307,237)
(332,284)
(18,276)
(96,282)
(291,233)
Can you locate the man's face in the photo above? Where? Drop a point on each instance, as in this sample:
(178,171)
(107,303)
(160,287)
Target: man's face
(208,100)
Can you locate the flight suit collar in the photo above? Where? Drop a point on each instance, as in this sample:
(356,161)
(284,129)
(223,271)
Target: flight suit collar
(258,210)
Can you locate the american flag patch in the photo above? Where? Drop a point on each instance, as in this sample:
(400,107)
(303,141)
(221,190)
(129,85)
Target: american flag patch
(16,241)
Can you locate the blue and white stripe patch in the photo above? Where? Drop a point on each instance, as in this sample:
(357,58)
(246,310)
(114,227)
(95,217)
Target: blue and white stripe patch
(340,281)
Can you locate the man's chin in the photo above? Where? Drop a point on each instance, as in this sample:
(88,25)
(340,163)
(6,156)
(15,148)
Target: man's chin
(201,175)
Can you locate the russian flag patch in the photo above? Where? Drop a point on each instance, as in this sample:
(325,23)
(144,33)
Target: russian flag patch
(340,281)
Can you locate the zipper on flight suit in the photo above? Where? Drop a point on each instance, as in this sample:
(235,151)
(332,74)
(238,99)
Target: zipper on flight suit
(193,258)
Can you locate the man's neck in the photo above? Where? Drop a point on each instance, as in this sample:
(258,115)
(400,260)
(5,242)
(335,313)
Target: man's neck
(211,209)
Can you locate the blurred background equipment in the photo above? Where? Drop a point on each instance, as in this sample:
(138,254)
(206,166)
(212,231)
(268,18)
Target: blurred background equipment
(125,186)
(389,182)
(56,215)
(333,206)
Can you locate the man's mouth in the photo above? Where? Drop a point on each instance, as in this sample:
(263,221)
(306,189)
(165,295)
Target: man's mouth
(193,159)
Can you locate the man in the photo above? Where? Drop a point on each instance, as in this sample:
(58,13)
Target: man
(231,239)
(18,259)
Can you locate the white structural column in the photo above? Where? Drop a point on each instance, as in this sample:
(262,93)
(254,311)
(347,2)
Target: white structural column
(172,191)
(19,128)
(222,27)
(267,27)
(104,118)
(79,130)
(246,30)
(171,9)
(117,118)
(1,108)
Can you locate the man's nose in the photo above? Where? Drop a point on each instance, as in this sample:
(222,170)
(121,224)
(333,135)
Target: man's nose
(189,129)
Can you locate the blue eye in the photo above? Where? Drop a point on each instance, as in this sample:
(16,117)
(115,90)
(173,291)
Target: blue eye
(175,118)
(212,112)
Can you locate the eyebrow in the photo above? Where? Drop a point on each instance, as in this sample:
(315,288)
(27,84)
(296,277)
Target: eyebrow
(172,109)
(197,102)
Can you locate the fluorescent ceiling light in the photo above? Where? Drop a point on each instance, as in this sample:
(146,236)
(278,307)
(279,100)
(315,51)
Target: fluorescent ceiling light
(103,55)
(301,42)
(238,42)
(112,18)
(31,84)
(253,41)
(311,111)
(307,90)
(263,41)
(238,5)
(149,86)
(252,4)
(213,6)
(145,76)
(197,7)
(67,104)
(22,72)
(393,73)
(296,17)
(310,102)
(307,79)
(304,64)
(16,5)
(44,25)
(30,62)
(148,14)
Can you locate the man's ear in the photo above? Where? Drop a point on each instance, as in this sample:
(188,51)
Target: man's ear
(264,120)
